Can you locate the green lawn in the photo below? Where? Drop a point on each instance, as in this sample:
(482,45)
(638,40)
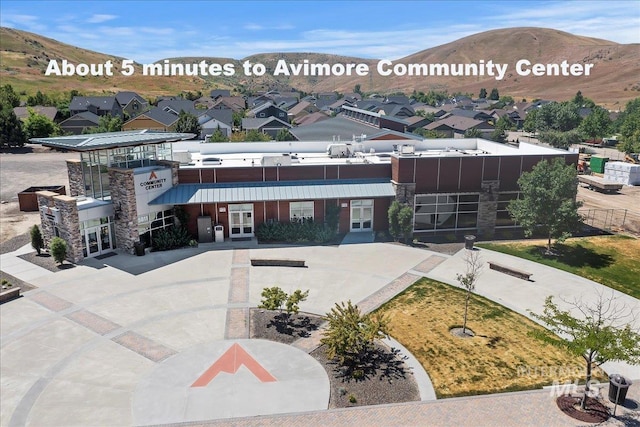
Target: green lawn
(613,261)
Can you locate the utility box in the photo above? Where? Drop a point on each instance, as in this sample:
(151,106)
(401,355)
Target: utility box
(219,233)
(205,232)
(597,164)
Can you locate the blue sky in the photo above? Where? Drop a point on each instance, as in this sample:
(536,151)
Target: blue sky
(147,31)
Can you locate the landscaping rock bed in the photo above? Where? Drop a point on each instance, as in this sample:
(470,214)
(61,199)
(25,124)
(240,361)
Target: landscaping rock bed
(384,379)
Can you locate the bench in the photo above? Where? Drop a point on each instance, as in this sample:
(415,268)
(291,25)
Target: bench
(278,263)
(510,271)
(9,294)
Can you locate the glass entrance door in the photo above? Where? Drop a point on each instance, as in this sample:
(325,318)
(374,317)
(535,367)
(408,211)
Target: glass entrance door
(241,220)
(97,240)
(361,215)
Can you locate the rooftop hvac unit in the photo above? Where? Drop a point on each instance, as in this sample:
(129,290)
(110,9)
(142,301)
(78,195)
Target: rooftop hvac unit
(407,149)
(339,150)
(278,160)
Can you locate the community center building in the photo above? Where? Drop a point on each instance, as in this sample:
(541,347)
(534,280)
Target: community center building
(127,185)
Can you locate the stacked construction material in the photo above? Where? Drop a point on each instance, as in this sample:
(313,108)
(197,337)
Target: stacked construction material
(621,172)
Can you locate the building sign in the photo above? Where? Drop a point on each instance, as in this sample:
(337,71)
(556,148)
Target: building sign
(153,182)
(150,184)
(52,214)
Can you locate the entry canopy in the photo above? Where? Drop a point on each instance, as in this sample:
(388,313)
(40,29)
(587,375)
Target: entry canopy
(102,141)
(185,194)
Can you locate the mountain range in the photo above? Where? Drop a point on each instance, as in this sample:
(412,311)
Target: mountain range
(614,78)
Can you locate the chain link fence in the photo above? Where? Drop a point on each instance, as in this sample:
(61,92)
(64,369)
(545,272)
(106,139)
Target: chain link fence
(612,220)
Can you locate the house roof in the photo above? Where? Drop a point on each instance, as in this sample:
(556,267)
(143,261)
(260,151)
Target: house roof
(220,92)
(159,115)
(457,123)
(101,141)
(262,107)
(302,106)
(79,103)
(124,98)
(311,118)
(395,134)
(335,127)
(184,194)
(179,105)
(48,112)
(251,123)
(85,115)
(224,115)
(472,114)
(236,103)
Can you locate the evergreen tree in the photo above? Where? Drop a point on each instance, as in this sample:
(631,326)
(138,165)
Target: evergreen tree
(483,93)
(188,123)
(11,128)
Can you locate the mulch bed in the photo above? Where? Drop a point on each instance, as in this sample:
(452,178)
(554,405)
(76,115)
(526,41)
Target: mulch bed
(384,379)
(595,411)
(45,260)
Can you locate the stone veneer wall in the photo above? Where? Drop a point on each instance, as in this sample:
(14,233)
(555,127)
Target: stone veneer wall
(487,209)
(123,197)
(405,193)
(69,225)
(76,178)
(174,169)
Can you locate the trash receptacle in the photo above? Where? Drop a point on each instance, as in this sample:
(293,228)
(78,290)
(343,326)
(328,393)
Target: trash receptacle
(218,231)
(139,248)
(618,386)
(469,240)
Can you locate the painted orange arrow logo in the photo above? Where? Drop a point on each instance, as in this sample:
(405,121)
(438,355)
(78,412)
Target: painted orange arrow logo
(230,362)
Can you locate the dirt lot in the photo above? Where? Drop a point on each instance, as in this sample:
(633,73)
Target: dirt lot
(20,169)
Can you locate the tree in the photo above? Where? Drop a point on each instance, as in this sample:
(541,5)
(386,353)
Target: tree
(357,89)
(275,299)
(188,123)
(284,135)
(494,95)
(405,222)
(11,127)
(58,249)
(37,242)
(218,136)
(472,133)
(628,125)
(350,335)
(39,99)
(392,215)
(39,126)
(107,124)
(237,118)
(468,280)
(483,93)
(598,332)
(252,135)
(559,139)
(9,97)
(548,203)
(597,124)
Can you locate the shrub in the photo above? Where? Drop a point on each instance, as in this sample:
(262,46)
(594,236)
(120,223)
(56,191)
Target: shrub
(171,238)
(37,242)
(58,249)
(300,231)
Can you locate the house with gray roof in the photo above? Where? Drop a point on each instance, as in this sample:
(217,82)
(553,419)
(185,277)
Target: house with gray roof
(157,119)
(456,126)
(269,125)
(51,113)
(131,103)
(79,123)
(98,105)
(216,118)
(267,110)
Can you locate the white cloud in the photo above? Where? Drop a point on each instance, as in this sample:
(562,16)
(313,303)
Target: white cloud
(98,18)
(22,21)
(259,27)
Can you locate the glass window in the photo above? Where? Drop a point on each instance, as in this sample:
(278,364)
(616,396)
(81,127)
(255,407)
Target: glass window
(299,211)
(446,211)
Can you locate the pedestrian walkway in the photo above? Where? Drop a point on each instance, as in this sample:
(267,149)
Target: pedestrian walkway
(83,347)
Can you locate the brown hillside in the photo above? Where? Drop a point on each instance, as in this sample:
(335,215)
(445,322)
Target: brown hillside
(613,80)
(24,57)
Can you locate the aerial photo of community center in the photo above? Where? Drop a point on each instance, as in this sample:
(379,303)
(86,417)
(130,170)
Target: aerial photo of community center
(340,213)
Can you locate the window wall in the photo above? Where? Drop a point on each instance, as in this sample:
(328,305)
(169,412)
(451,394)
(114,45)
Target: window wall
(300,211)
(503,219)
(450,211)
(95,164)
(152,222)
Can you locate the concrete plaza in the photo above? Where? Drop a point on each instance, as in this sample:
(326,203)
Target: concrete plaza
(123,340)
